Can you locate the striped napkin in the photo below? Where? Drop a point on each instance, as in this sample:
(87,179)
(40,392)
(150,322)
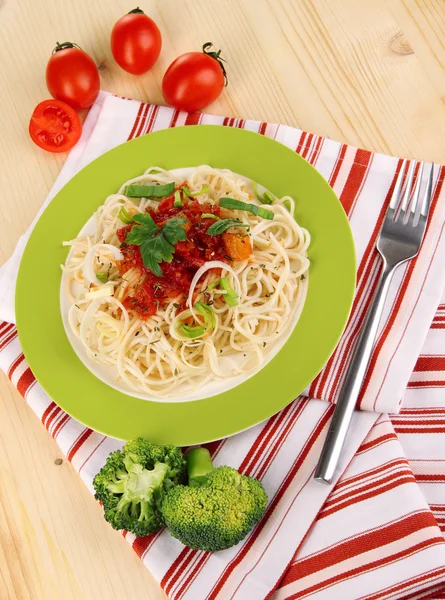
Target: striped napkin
(372,534)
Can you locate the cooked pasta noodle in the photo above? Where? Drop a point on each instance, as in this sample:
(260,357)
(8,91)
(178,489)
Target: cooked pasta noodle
(152,355)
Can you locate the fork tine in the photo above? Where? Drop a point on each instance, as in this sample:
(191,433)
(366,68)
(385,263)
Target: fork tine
(409,185)
(428,193)
(396,193)
(417,188)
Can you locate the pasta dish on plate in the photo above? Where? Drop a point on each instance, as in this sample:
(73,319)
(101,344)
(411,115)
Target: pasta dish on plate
(180,280)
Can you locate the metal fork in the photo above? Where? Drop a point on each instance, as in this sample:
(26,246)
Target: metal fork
(399,240)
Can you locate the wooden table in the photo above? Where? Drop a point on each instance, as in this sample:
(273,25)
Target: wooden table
(366,72)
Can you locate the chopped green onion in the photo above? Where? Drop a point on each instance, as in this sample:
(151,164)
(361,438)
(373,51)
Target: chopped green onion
(266,198)
(208,314)
(265,214)
(149,191)
(286,204)
(233,204)
(231,297)
(222,225)
(102,276)
(125,216)
(210,216)
(203,190)
(178,202)
(209,321)
(192,332)
(213,284)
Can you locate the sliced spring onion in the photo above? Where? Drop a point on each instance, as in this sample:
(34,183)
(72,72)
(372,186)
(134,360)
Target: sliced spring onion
(213,285)
(233,204)
(208,314)
(91,260)
(150,191)
(102,276)
(210,216)
(212,264)
(177,202)
(102,292)
(203,190)
(192,332)
(268,198)
(231,297)
(223,224)
(286,204)
(265,198)
(125,216)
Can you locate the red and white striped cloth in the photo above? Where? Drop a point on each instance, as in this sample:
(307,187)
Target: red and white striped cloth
(373,534)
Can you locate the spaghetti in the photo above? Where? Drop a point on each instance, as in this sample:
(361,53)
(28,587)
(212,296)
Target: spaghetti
(219,304)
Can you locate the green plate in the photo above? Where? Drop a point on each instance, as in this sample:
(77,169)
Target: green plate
(331,287)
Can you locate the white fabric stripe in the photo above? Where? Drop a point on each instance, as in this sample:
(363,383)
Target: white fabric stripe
(425,397)
(212,120)
(422,446)
(327,159)
(163,118)
(436,467)
(252,125)
(434,493)
(427,376)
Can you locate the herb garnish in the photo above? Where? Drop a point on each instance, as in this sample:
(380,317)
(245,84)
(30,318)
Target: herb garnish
(157,244)
(223,224)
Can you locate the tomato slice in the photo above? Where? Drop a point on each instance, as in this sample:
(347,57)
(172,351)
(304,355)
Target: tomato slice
(55,126)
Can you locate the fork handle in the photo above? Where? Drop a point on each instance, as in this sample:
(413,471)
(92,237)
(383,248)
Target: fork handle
(347,399)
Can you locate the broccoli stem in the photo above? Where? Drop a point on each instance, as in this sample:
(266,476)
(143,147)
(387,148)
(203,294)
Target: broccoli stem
(199,465)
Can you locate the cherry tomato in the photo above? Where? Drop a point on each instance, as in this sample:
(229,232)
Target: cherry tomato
(136,42)
(72,76)
(54,126)
(194,79)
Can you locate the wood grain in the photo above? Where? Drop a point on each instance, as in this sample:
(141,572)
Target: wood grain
(366,73)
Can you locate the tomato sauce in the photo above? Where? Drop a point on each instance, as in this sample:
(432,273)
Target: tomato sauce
(155,292)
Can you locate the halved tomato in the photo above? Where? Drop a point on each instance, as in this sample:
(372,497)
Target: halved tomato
(55,126)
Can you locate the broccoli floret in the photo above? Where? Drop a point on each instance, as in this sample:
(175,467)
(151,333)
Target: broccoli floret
(217,509)
(132,483)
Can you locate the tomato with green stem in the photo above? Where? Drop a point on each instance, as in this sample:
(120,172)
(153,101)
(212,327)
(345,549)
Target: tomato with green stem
(72,76)
(195,79)
(136,42)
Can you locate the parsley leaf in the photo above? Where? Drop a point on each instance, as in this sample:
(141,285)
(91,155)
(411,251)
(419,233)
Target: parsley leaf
(157,244)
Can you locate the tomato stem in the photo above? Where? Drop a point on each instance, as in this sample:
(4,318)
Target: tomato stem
(217,56)
(64,45)
(136,11)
